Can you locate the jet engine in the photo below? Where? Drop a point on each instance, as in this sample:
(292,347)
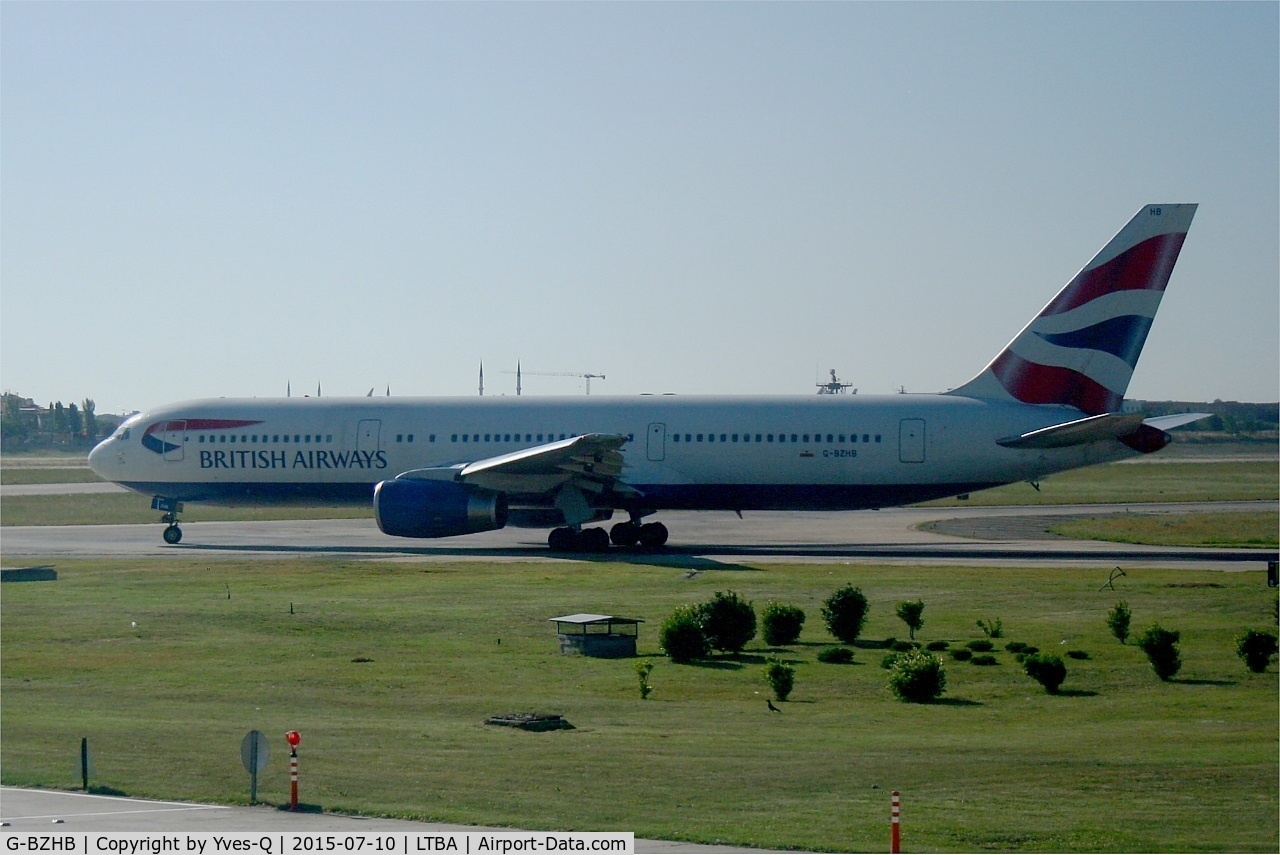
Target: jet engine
(407,507)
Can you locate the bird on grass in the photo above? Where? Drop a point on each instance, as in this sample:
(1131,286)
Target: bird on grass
(772,708)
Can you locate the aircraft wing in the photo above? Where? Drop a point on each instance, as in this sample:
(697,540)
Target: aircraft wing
(591,462)
(1095,429)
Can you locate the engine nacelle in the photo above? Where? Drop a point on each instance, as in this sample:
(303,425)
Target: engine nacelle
(407,507)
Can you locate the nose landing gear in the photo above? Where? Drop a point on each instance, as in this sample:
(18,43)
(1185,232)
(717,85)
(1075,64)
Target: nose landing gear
(171,508)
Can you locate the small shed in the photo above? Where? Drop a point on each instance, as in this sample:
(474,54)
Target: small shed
(605,636)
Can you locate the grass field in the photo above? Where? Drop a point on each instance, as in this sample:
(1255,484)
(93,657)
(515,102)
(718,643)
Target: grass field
(1118,762)
(1221,530)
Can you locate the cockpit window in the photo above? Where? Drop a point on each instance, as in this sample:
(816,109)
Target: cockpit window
(126,426)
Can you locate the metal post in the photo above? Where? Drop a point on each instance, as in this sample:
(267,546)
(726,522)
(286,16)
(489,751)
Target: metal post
(84,762)
(895,834)
(293,778)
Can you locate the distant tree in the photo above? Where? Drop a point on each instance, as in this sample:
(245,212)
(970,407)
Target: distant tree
(1161,647)
(845,612)
(728,622)
(59,427)
(11,425)
(90,418)
(917,677)
(1118,619)
(782,624)
(911,613)
(781,677)
(1048,670)
(1256,649)
(75,424)
(681,636)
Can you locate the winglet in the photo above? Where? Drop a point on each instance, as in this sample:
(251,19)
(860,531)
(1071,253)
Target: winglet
(1080,351)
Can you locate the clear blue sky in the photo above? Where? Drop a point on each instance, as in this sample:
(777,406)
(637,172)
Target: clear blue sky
(208,199)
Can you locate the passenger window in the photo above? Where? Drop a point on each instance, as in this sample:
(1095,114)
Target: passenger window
(866,437)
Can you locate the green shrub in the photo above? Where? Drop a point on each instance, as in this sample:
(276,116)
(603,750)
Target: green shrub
(781,677)
(1047,670)
(781,624)
(937,646)
(982,645)
(994,629)
(917,677)
(911,613)
(904,646)
(642,671)
(985,659)
(1161,647)
(1016,646)
(1078,654)
(835,655)
(681,636)
(962,654)
(728,622)
(844,612)
(1118,619)
(888,661)
(1256,649)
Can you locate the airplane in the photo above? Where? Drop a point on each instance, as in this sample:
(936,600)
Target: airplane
(1050,401)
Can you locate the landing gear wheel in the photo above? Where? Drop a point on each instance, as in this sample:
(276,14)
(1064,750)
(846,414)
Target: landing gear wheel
(562,539)
(653,535)
(625,534)
(593,540)
(172,534)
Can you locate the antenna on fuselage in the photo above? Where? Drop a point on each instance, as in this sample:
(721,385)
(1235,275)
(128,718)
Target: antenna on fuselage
(482,378)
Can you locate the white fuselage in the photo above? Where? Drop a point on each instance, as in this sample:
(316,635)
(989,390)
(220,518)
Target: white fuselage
(735,453)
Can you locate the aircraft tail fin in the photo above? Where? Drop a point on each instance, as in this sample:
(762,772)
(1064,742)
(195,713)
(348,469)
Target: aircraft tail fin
(1080,351)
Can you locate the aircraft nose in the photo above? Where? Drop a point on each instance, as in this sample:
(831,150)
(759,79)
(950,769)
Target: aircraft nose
(100,459)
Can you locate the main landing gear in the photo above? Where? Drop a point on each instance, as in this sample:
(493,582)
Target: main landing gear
(597,540)
(171,508)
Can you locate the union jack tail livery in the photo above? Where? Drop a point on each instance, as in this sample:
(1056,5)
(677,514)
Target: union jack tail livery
(1080,351)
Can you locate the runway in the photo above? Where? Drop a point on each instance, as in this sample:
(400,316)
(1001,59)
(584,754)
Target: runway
(954,536)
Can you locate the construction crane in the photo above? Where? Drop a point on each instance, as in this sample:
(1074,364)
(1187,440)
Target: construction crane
(588,376)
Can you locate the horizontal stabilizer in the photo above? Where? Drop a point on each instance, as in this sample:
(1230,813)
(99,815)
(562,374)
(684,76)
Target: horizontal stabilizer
(1079,432)
(1118,426)
(1178,420)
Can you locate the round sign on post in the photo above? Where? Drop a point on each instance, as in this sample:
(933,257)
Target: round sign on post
(293,738)
(254,754)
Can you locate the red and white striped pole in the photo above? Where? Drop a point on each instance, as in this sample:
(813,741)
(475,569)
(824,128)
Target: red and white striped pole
(293,738)
(895,832)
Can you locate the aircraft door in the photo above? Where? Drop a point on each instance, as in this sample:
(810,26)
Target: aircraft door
(174,440)
(911,441)
(657,449)
(369,435)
